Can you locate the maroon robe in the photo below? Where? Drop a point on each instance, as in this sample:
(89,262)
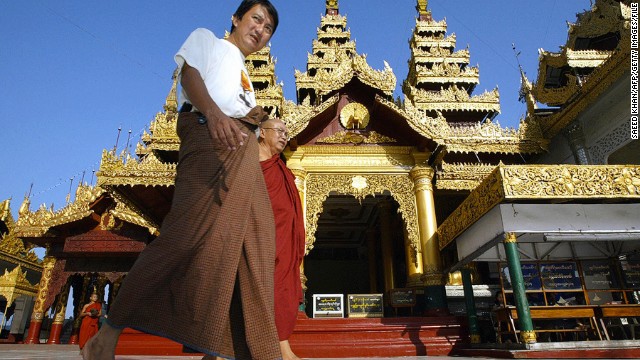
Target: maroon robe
(290,241)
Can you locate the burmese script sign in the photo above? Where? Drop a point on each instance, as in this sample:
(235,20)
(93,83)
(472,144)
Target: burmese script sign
(402,297)
(560,276)
(328,305)
(365,305)
(530,275)
(598,275)
(631,273)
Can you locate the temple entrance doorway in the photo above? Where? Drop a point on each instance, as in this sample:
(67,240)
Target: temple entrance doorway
(359,248)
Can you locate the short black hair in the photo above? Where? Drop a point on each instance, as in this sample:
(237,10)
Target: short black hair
(247,5)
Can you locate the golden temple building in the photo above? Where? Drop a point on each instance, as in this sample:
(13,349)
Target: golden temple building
(416,204)
(21,271)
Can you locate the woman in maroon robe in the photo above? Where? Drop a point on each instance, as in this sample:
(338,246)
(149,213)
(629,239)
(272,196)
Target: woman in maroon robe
(287,211)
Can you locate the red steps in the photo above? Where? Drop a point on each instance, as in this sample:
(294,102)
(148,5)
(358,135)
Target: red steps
(410,336)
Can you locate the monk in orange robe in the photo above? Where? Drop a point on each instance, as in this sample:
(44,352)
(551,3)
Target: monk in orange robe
(290,236)
(90,315)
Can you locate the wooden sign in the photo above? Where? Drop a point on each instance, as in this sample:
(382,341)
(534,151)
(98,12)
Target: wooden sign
(402,297)
(328,305)
(365,305)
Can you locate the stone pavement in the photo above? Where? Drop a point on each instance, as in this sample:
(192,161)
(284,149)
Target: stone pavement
(71,352)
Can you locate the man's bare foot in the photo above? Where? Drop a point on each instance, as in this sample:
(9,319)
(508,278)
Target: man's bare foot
(103,345)
(287,353)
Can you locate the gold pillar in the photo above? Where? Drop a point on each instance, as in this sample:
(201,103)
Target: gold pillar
(33,337)
(386,242)
(414,263)
(427,225)
(301,183)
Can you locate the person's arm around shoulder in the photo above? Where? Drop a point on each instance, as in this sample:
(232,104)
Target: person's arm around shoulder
(222,128)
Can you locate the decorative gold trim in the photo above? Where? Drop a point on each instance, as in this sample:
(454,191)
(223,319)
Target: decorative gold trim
(541,182)
(297,117)
(510,238)
(351,137)
(319,187)
(354,116)
(486,137)
(39,223)
(528,336)
(14,283)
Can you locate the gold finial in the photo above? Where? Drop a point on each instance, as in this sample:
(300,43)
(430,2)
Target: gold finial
(422,7)
(26,203)
(332,7)
(171,104)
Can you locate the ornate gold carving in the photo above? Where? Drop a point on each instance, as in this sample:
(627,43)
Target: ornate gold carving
(510,238)
(319,186)
(354,116)
(297,117)
(124,170)
(486,137)
(39,223)
(528,336)
(350,137)
(541,182)
(461,176)
(424,41)
(327,80)
(43,288)
(14,283)
(332,4)
(605,17)
(454,98)
(599,81)
(61,305)
(13,247)
(432,276)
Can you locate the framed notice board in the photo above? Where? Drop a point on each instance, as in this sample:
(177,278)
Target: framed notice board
(402,297)
(365,305)
(328,305)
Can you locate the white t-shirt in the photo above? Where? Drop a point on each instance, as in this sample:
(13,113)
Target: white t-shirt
(221,65)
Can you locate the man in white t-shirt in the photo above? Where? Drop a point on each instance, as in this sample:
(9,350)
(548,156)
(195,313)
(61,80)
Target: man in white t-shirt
(207,280)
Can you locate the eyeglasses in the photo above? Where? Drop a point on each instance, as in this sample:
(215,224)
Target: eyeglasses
(280,132)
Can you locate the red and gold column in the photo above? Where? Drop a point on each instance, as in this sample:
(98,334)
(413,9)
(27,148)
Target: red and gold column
(33,337)
(81,298)
(58,320)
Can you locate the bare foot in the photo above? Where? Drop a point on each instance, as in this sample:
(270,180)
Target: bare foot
(103,345)
(287,353)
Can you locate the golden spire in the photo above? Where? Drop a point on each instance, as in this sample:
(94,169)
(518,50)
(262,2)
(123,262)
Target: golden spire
(171,104)
(423,13)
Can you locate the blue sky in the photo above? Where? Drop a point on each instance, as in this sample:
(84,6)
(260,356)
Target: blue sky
(72,72)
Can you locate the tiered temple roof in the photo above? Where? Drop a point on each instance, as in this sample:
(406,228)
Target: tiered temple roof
(596,54)
(594,37)
(20,268)
(440,79)
(334,63)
